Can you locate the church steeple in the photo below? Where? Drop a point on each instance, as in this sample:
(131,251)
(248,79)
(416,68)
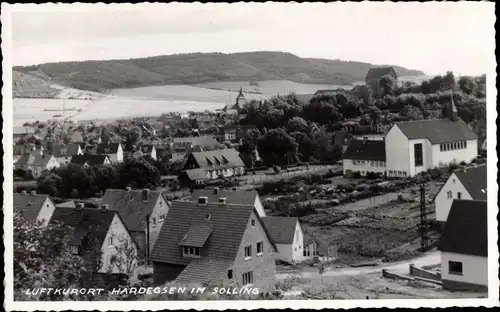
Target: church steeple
(451,110)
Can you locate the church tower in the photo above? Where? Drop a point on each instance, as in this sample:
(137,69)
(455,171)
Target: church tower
(451,110)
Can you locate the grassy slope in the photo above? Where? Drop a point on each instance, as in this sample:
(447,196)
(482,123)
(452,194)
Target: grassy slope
(200,68)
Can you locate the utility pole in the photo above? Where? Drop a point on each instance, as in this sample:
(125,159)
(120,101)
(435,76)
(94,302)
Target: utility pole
(423,220)
(147,238)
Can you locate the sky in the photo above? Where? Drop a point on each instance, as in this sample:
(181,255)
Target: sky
(433,37)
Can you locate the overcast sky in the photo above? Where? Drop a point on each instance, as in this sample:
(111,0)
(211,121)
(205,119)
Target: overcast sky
(433,37)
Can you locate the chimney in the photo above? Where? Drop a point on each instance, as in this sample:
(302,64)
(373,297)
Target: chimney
(79,206)
(202,200)
(222,200)
(32,192)
(216,190)
(145,195)
(128,189)
(104,207)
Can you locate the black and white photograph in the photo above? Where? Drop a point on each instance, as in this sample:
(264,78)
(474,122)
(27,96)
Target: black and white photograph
(334,155)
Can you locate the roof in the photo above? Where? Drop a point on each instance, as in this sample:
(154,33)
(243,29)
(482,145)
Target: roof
(474,180)
(21,149)
(67,204)
(223,158)
(148,148)
(107,148)
(34,159)
(70,149)
(130,205)
(437,131)
(365,150)
(23,130)
(232,197)
(85,221)
(197,235)
(229,223)
(200,140)
(89,159)
(282,229)
(29,205)
(196,174)
(77,136)
(466,230)
(379,72)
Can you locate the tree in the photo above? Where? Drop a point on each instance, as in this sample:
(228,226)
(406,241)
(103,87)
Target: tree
(388,84)
(139,171)
(277,147)
(297,124)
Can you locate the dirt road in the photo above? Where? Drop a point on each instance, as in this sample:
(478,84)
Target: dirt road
(401,267)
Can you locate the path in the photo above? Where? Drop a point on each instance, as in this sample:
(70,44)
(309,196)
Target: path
(401,267)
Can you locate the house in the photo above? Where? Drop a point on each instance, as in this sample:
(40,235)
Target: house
(230,133)
(19,132)
(36,162)
(24,149)
(113,150)
(135,207)
(64,152)
(415,146)
(179,151)
(34,207)
(216,195)
(464,247)
(205,140)
(216,163)
(364,156)
(241,100)
(467,184)
(288,236)
(100,230)
(149,150)
(484,145)
(89,160)
(374,74)
(66,204)
(214,243)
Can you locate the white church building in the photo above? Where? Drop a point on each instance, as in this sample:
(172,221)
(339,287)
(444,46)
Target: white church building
(415,146)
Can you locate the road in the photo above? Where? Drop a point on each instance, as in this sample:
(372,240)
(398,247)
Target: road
(401,267)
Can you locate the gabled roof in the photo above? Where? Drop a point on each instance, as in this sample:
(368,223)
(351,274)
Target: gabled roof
(282,229)
(379,72)
(365,150)
(232,197)
(199,140)
(229,223)
(437,131)
(107,148)
(223,158)
(60,150)
(196,174)
(22,130)
(130,205)
(474,180)
(89,159)
(85,221)
(29,205)
(67,204)
(466,230)
(34,159)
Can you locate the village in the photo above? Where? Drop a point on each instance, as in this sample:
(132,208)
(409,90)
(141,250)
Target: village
(375,192)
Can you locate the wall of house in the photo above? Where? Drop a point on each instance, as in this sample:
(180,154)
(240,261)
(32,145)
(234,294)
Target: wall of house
(427,150)
(263,266)
(397,151)
(259,207)
(164,272)
(161,207)
(475,268)
(46,211)
(369,166)
(458,155)
(121,239)
(153,153)
(298,243)
(119,154)
(443,203)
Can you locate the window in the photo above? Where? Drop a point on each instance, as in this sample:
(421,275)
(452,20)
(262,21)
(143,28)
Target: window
(260,248)
(419,158)
(253,222)
(74,249)
(449,194)
(110,241)
(154,222)
(455,268)
(230,274)
(459,195)
(465,144)
(248,252)
(453,181)
(441,147)
(247,278)
(191,251)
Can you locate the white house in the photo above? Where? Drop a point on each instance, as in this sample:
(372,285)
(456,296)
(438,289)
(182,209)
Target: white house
(364,156)
(103,229)
(468,183)
(135,207)
(464,247)
(113,150)
(288,236)
(216,195)
(35,208)
(89,160)
(415,146)
(216,163)
(36,162)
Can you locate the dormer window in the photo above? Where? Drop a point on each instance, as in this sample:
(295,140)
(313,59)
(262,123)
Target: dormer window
(191,251)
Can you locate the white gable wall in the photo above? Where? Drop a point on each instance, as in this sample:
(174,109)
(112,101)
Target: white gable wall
(475,268)
(458,155)
(443,203)
(426,153)
(298,243)
(259,207)
(397,151)
(155,220)
(46,211)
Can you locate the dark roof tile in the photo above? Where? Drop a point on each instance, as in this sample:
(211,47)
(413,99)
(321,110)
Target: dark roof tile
(365,150)
(437,131)
(281,229)
(474,180)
